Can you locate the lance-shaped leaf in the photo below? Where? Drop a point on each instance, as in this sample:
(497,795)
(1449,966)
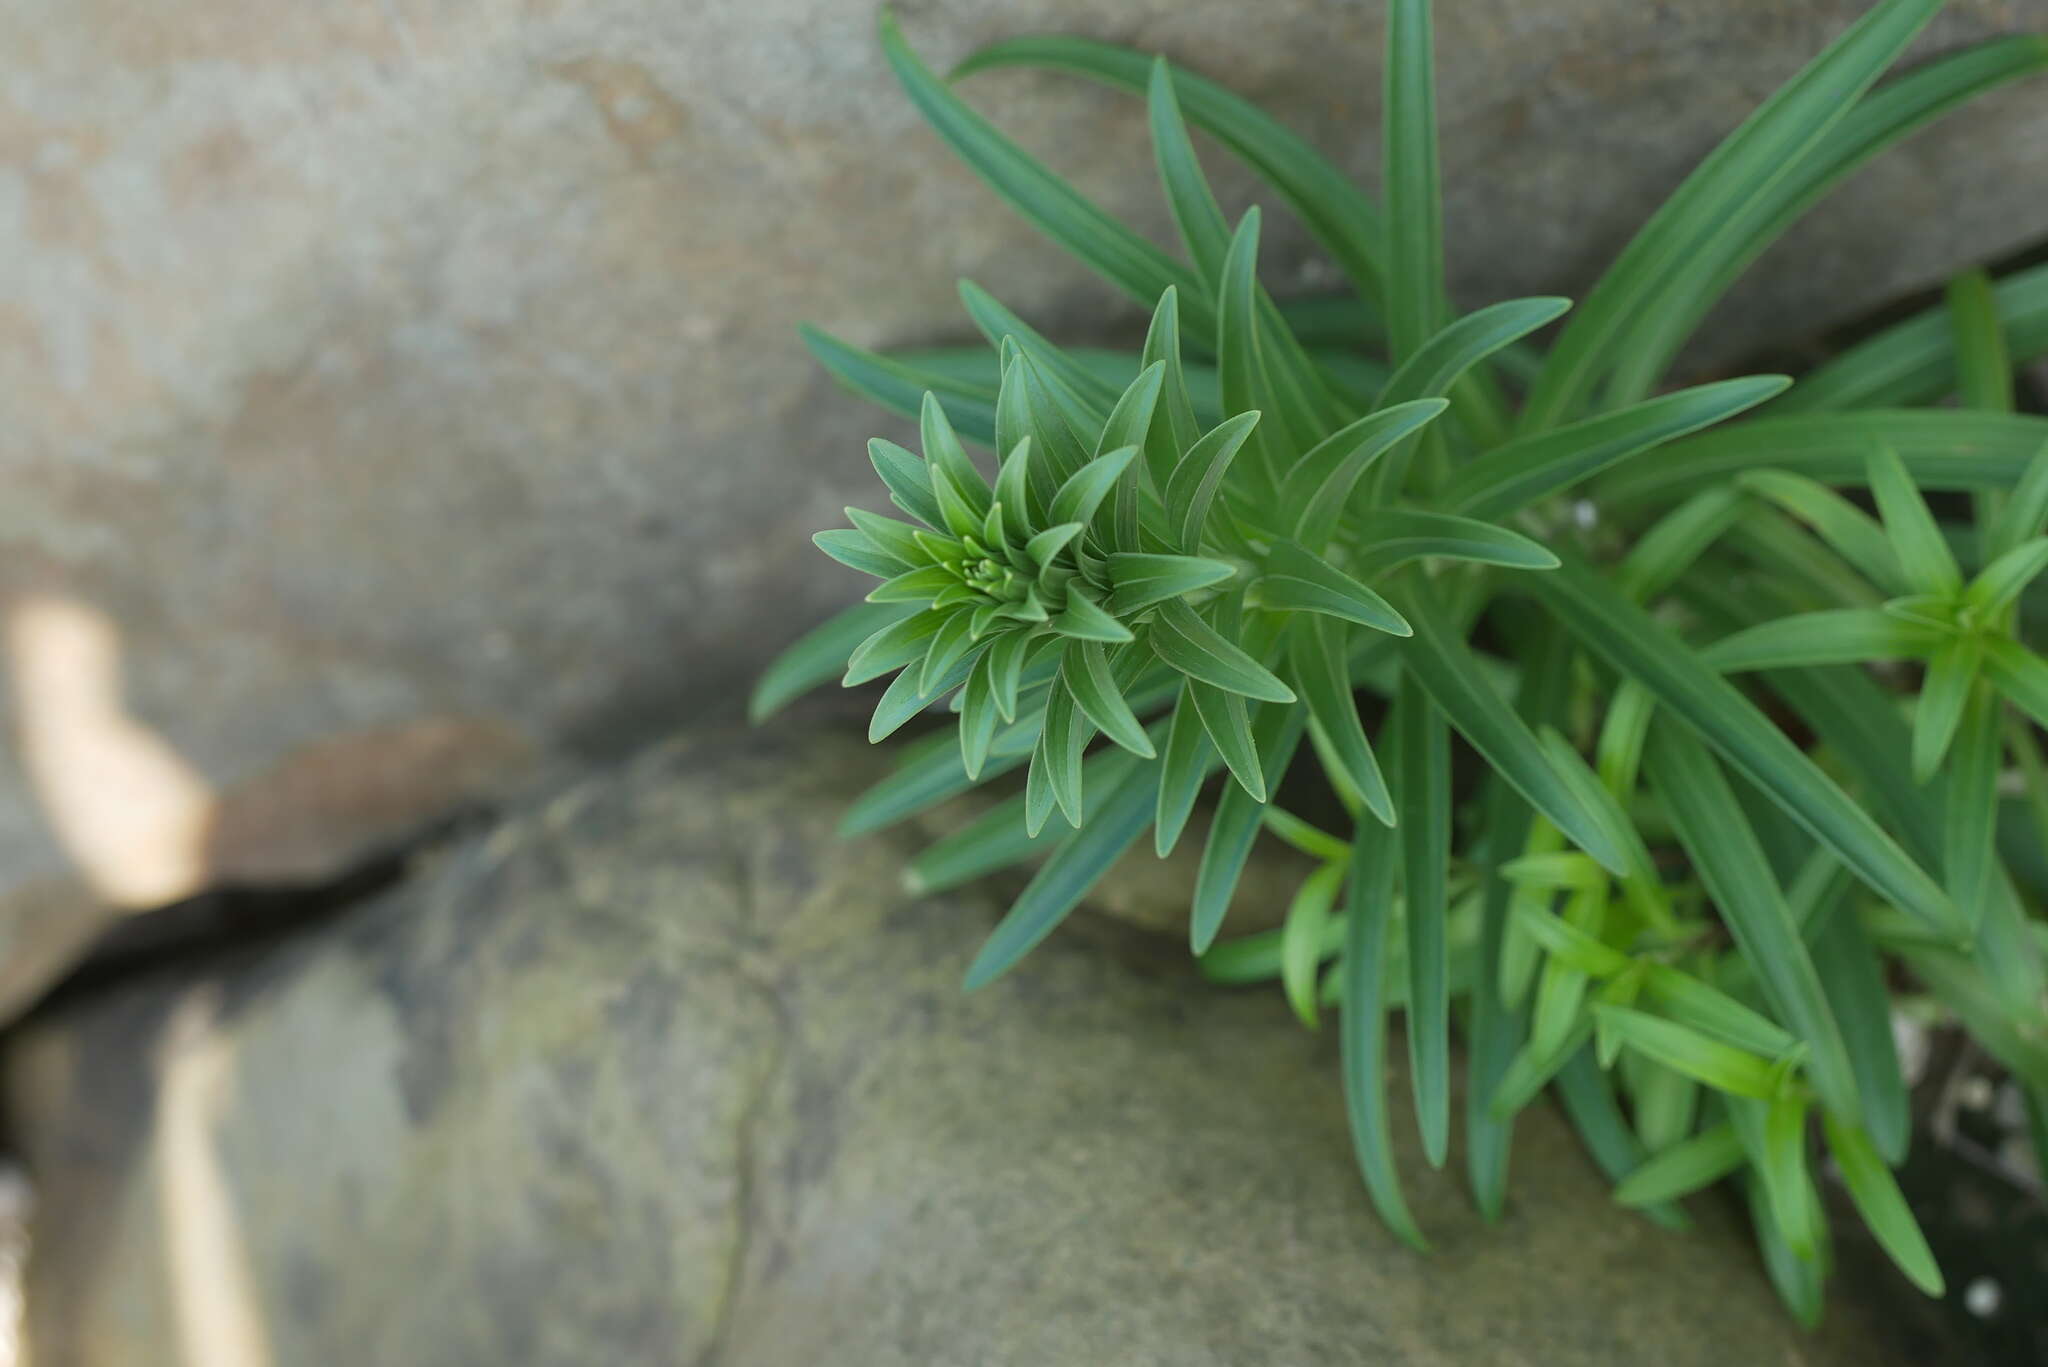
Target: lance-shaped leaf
(1422,780)
(1447,670)
(855,551)
(1698,1056)
(1914,535)
(1302,934)
(1176,429)
(1374,862)
(1276,731)
(1318,487)
(932,773)
(1684,1168)
(1511,477)
(1066,876)
(1588,1096)
(1224,719)
(1439,362)
(1188,760)
(1390,537)
(2025,514)
(1409,179)
(1297,580)
(2019,674)
(2002,581)
(1083,396)
(1084,669)
(1951,673)
(901,388)
(1084,621)
(1196,649)
(1055,776)
(1832,636)
(1083,493)
(1192,487)
(1879,1201)
(818,655)
(893,646)
(1680,537)
(910,483)
(1140,579)
(1316,652)
(906,696)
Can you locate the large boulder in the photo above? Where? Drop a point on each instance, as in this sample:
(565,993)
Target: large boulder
(380,365)
(659,1072)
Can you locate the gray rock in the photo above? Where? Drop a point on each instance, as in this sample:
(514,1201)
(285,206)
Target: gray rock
(659,1072)
(408,363)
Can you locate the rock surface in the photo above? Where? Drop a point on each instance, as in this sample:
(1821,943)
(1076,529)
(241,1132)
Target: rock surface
(397,363)
(659,1072)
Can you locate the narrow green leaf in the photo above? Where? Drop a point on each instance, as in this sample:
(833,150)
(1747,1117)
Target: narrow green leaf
(1195,648)
(1438,363)
(1223,718)
(1690,1002)
(1588,1097)
(1915,537)
(1879,1201)
(1409,179)
(1082,494)
(950,645)
(894,645)
(1301,938)
(1275,731)
(1510,478)
(2019,674)
(853,550)
(818,655)
(2025,514)
(1202,226)
(1951,672)
(1983,365)
(1067,875)
(1084,621)
(1083,396)
(1834,636)
(1970,828)
(901,388)
(1318,489)
(1699,1162)
(1060,212)
(1679,538)
(1697,216)
(1192,487)
(1853,978)
(1914,361)
(1298,581)
(1391,537)
(1060,745)
(1422,767)
(1447,670)
(1855,534)
(910,484)
(905,697)
(1698,1056)
(1084,669)
(1139,580)
(1364,1038)
(2002,581)
(1316,651)
(1189,758)
(1002,836)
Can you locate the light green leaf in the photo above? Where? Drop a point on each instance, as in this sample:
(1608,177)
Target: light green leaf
(1084,621)
(910,484)
(1834,636)
(2002,581)
(1438,363)
(1275,731)
(1319,487)
(1223,718)
(1683,1169)
(894,645)
(1698,1056)
(1058,757)
(1915,537)
(1951,671)
(1391,537)
(1669,548)
(855,551)
(1970,824)
(1138,580)
(1409,179)
(1879,1201)
(1983,366)
(1302,935)
(1855,534)
(1189,759)
(2025,514)
(1083,493)
(2019,674)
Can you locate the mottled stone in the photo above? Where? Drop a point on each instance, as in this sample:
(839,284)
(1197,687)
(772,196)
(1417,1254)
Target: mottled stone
(371,363)
(660,1072)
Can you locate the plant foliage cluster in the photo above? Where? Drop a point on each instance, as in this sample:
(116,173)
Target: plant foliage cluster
(1755,717)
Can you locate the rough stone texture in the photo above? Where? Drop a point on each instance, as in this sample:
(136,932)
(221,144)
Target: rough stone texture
(374,362)
(659,1072)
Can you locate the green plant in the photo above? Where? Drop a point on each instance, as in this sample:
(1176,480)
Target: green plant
(1667,904)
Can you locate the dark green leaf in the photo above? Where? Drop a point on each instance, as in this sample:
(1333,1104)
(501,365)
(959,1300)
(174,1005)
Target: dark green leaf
(1195,648)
